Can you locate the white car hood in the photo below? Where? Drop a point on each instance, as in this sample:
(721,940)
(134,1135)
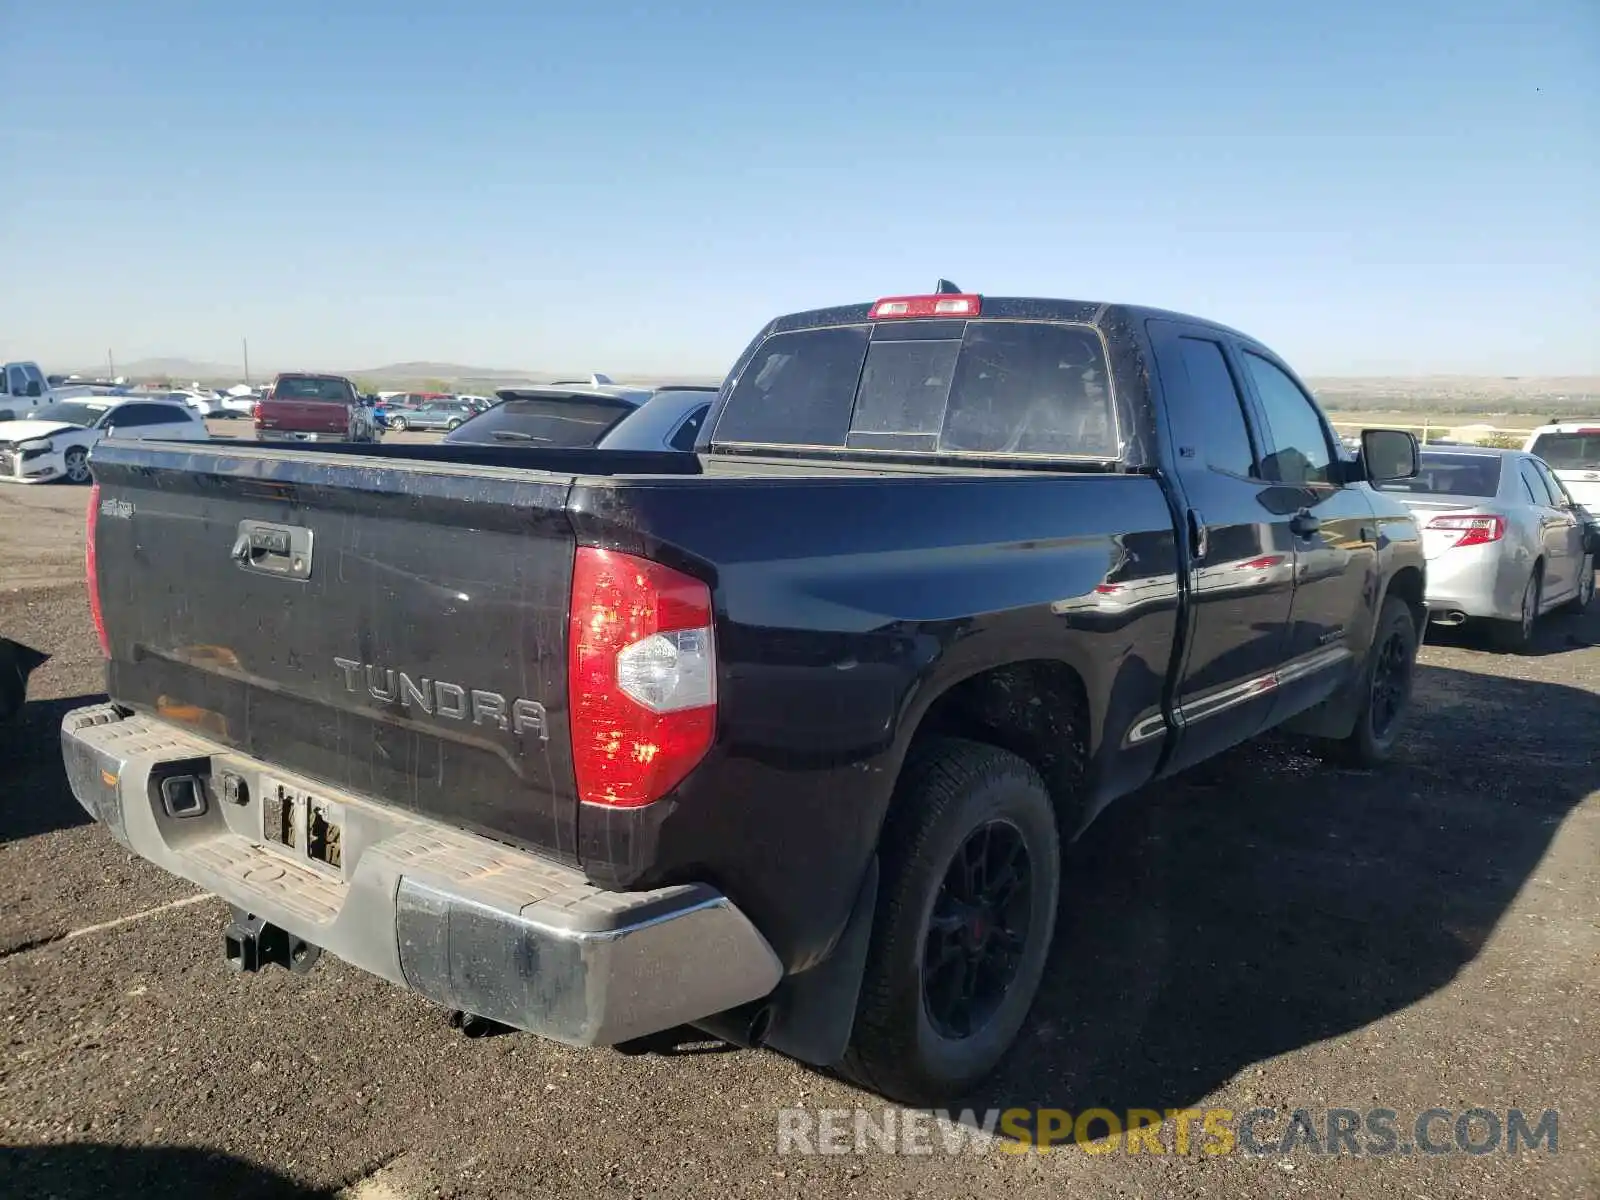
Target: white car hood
(22,431)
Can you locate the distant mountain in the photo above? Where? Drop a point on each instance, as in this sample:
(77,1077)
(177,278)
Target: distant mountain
(167,368)
(401,372)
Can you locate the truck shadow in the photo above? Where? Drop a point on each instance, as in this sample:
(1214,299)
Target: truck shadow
(96,1169)
(34,796)
(1265,901)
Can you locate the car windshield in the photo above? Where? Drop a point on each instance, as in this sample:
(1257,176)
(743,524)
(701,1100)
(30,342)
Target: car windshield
(962,387)
(570,420)
(1577,451)
(332,390)
(72,414)
(1451,475)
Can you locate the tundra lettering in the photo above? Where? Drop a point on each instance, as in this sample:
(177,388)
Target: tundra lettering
(440,699)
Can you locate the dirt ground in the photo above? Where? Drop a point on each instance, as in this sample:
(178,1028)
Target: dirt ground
(1264,932)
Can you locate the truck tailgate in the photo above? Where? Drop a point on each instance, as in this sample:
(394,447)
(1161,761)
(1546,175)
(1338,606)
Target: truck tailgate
(303,416)
(396,630)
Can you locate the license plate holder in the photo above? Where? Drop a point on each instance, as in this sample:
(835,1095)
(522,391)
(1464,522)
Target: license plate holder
(306,826)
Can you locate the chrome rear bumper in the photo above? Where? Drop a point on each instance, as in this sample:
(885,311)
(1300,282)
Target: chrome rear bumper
(461,919)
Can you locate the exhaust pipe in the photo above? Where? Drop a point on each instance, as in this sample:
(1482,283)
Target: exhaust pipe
(746,1026)
(250,943)
(1449,616)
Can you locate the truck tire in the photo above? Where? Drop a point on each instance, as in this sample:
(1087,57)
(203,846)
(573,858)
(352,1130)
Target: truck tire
(1516,637)
(1386,680)
(971,874)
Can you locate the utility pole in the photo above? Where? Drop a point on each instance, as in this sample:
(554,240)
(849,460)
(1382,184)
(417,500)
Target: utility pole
(246,359)
(111,366)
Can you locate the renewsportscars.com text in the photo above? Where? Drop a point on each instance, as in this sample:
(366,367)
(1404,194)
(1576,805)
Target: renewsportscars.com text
(1374,1132)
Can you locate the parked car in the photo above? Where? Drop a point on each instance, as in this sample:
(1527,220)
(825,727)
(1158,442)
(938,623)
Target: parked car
(604,416)
(54,442)
(780,739)
(436,414)
(1505,541)
(23,388)
(204,403)
(1572,451)
(391,403)
(232,406)
(302,407)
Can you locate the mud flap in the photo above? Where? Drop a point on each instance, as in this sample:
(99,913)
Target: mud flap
(1334,718)
(811,1015)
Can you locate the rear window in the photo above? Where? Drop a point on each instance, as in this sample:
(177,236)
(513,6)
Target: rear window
(332,390)
(948,387)
(572,421)
(1569,451)
(1451,475)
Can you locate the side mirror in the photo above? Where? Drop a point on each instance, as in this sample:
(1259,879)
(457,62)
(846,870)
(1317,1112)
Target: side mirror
(1389,455)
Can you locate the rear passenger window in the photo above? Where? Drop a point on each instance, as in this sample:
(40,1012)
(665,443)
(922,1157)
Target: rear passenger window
(129,416)
(1214,401)
(1536,485)
(1299,452)
(1558,491)
(686,433)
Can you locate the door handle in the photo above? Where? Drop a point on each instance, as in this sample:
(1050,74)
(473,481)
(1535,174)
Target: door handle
(1304,524)
(1197,535)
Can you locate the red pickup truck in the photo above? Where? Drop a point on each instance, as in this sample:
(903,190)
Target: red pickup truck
(314,408)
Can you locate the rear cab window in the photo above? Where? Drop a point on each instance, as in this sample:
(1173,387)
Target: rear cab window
(947,387)
(310,387)
(1576,451)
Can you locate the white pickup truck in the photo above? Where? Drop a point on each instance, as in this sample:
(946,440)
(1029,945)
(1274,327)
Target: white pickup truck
(1572,450)
(23,388)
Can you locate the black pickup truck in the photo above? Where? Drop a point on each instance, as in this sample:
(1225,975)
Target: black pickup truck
(779,738)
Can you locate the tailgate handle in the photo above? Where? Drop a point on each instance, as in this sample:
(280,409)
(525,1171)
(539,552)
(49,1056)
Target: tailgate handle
(283,550)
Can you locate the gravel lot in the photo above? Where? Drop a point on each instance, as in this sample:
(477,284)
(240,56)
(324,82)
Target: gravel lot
(1263,932)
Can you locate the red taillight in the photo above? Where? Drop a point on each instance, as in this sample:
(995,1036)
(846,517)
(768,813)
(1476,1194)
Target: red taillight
(255,412)
(1475,530)
(91,568)
(938,305)
(641,677)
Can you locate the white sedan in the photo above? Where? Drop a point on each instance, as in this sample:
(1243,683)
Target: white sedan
(231,406)
(54,442)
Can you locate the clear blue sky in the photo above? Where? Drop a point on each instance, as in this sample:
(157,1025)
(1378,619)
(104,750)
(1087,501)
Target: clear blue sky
(1407,186)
